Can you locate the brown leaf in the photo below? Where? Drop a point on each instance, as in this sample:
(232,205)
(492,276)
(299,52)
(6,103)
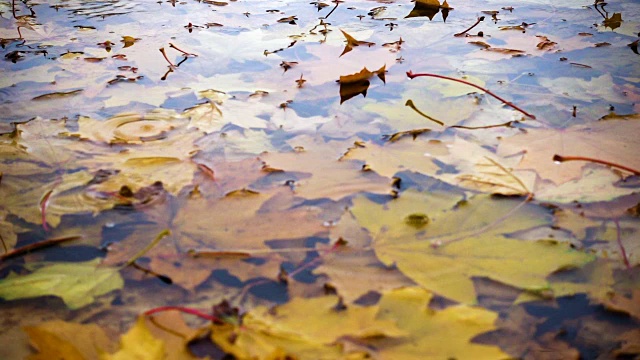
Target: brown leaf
(352,42)
(358,83)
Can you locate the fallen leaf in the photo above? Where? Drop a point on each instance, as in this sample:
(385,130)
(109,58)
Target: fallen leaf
(441,245)
(316,174)
(313,328)
(138,343)
(59,339)
(611,141)
(352,42)
(444,334)
(77,283)
(358,83)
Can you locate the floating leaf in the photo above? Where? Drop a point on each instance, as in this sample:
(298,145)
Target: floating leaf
(59,339)
(462,242)
(358,83)
(78,283)
(444,334)
(613,141)
(352,42)
(138,343)
(304,329)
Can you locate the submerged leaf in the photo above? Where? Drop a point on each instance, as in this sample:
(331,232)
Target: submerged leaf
(464,240)
(444,334)
(78,283)
(59,339)
(303,329)
(138,343)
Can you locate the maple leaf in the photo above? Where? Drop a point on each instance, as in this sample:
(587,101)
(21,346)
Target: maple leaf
(302,328)
(427,8)
(441,246)
(352,42)
(138,343)
(317,175)
(78,283)
(516,334)
(59,339)
(358,83)
(611,141)
(444,334)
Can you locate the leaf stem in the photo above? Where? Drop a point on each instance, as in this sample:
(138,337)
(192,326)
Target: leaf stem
(410,104)
(481,18)
(37,245)
(411,75)
(155,241)
(560,158)
(182,51)
(166,58)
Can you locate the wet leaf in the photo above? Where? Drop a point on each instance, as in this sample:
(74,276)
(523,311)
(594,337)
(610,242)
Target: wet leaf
(610,141)
(629,305)
(316,174)
(303,328)
(78,284)
(426,8)
(462,242)
(352,42)
(358,83)
(138,343)
(58,339)
(442,334)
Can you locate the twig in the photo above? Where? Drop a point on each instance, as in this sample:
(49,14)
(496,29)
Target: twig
(410,104)
(164,278)
(507,124)
(411,75)
(182,51)
(481,18)
(155,241)
(37,245)
(560,158)
(166,58)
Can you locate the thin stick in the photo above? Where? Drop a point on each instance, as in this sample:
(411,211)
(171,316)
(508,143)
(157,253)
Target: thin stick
(37,245)
(155,241)
(560,158)
(410,104)
(411,75)
(507,124)
(182,51)
(185,310)
(481,18)
(166,58)
(622,250)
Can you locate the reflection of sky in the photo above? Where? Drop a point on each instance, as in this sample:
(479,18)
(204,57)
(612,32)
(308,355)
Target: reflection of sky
(232,58)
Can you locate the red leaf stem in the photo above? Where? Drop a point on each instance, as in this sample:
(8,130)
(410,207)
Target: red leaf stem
(411,75)
(560,158)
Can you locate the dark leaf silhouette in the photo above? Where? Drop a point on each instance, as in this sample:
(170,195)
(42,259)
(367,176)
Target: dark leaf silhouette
(358,83)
